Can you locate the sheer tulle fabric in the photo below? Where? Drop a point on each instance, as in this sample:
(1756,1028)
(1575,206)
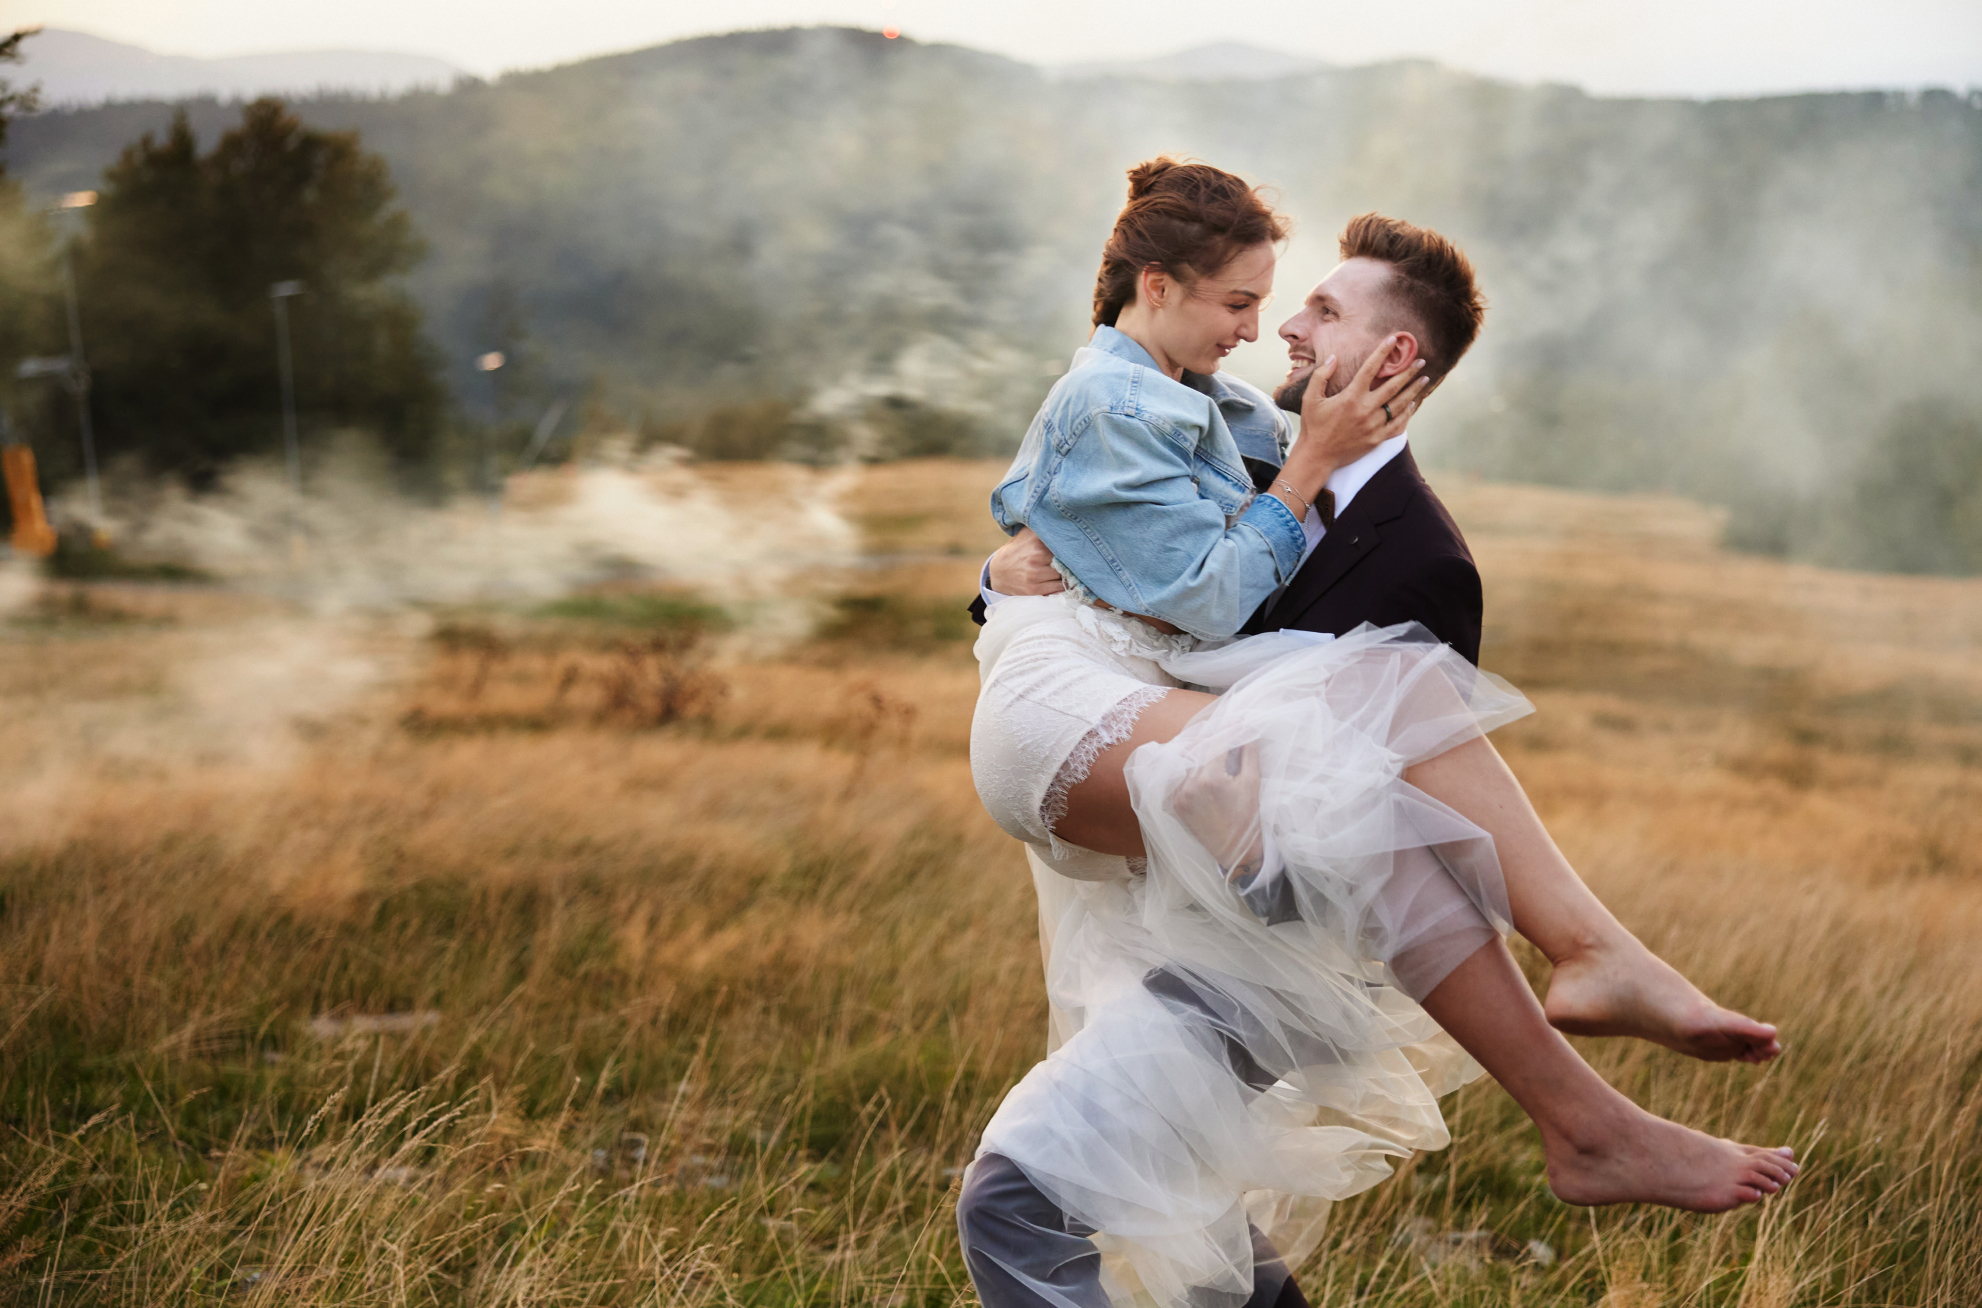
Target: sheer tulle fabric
(1230,1051)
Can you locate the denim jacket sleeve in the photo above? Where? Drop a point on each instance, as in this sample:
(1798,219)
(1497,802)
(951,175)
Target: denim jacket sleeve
(1127,516)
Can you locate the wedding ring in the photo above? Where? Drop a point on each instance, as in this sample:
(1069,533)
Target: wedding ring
(1386,414)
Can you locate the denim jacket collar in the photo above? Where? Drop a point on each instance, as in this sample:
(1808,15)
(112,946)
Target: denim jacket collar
(1113,340)
(1258,434)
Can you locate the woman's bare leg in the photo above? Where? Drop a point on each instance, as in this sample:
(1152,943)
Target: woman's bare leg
(1099,816)
(1605,981)
(1600,1147)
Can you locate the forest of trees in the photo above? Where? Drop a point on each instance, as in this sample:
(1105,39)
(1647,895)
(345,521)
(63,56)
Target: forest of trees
(181,255)
(176,259)
(788,241)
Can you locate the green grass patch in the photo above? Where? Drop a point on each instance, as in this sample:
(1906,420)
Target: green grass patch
(638,610)
(896,622)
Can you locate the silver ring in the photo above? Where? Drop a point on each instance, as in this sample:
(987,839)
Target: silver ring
(1386,414)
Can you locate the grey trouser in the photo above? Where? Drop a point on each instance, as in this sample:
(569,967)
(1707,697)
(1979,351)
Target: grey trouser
(1024,1252)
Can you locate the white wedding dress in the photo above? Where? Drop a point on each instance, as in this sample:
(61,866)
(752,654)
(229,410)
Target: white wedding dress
(1228,1053)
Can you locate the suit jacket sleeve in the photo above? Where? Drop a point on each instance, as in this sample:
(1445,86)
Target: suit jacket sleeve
(1444,594)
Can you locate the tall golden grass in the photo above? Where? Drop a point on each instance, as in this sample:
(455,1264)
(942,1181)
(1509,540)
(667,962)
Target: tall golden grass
(345,965)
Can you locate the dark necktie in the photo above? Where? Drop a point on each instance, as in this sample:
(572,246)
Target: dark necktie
(1324,504)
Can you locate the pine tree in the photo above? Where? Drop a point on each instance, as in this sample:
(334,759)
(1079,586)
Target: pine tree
(27,273)
(176,275)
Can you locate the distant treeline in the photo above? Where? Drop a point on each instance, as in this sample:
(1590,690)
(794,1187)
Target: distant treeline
(795,242)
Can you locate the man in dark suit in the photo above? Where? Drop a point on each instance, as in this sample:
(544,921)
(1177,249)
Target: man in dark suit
(1381,547)
(1394,555)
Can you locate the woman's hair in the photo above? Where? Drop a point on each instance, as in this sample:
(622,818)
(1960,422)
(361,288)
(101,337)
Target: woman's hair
(1188,219)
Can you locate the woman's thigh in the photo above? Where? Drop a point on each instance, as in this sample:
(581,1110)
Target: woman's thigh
(1098,813)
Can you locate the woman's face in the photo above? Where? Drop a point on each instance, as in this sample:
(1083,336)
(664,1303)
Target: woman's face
(1196,324)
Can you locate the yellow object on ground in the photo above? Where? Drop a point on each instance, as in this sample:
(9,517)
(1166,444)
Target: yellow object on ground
(32,534)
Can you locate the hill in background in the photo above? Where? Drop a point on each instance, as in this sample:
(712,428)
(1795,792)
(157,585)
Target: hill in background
(1768,304)
(75,68)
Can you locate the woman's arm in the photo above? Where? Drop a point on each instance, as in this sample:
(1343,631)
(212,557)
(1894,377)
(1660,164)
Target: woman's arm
(1141,536)
(1123,513)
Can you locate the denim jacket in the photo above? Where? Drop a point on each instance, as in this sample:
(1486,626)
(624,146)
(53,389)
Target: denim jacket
(1136,484)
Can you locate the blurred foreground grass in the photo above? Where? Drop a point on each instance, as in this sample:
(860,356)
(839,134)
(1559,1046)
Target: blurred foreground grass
(385,961)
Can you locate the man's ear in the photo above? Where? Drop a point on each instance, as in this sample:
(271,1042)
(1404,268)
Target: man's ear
(1403,351)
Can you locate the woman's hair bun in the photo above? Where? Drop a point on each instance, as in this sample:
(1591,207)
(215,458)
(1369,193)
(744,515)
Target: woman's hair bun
(1144,176)
(1185,217)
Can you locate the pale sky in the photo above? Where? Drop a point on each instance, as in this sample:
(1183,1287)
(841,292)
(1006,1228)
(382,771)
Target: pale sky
(1672,47)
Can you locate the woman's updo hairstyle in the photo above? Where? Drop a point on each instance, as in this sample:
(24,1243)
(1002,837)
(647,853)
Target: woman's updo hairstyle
(1188,219)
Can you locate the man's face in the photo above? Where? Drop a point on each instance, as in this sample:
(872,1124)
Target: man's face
(1346,315)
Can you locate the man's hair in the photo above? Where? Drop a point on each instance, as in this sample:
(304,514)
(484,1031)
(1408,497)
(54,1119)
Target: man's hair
(1431,285)
(1188,219)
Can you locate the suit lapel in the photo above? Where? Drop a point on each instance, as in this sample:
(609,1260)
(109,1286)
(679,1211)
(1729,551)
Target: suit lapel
(1352,538)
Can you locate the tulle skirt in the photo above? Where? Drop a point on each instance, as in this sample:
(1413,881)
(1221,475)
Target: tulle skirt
(1235,1049)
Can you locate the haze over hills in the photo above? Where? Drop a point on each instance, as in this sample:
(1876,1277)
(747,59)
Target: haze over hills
(1763,303)
(1221,61)
(75,68)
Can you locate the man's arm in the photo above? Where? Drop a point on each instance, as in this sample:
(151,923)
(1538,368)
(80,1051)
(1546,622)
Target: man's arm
(1443,594)
(1021,566)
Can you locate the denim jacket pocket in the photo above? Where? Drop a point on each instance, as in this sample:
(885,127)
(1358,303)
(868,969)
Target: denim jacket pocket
(1227,489)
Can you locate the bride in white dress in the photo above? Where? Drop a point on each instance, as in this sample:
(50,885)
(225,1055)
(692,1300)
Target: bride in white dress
(1275,872)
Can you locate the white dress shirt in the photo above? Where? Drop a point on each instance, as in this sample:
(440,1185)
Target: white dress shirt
(1345,482)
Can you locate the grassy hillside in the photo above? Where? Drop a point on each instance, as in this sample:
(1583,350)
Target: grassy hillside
(602,953)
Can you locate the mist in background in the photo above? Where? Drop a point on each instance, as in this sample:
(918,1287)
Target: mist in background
(1610,47)
(822,243)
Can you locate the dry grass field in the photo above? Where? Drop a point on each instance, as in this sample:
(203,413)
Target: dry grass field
(613,951)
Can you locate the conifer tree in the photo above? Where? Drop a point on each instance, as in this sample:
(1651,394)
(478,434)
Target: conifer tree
(27,277)
(183,250)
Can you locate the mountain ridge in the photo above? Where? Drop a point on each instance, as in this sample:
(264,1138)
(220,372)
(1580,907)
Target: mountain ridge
(79,69)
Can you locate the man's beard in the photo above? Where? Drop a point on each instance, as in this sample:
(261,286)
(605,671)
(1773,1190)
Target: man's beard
(1290,395)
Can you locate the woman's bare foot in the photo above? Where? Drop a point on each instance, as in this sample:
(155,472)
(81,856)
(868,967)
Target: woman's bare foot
(1634,1157)
(1621,988)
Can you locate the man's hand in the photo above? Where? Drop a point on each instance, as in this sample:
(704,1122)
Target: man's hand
(1338,429)
(1024,566)
(1219,804)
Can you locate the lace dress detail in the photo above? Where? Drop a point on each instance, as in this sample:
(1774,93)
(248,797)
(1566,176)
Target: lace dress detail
(1132,638)
(1116,727)
(1062,682)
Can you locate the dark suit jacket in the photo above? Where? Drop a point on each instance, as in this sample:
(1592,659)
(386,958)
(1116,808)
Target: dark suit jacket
(1394,555)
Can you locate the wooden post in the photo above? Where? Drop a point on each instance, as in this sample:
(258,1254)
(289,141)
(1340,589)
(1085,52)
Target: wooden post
(32,534)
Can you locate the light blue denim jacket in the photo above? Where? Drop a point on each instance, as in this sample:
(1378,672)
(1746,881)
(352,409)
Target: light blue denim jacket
(1135,482)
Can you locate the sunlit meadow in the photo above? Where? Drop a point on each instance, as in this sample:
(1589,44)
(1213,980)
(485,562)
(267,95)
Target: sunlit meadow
(629,949)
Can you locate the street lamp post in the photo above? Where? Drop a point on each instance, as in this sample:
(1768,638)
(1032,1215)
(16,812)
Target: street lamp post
(78,366)
(279,295)
(490,364)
